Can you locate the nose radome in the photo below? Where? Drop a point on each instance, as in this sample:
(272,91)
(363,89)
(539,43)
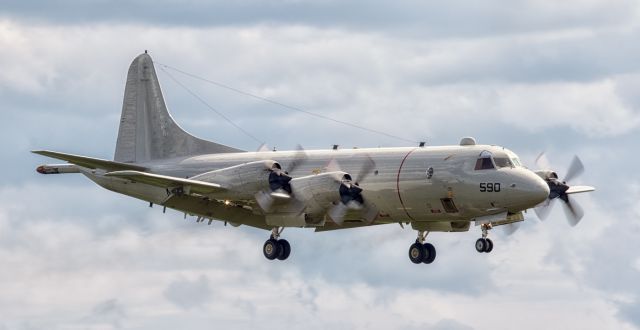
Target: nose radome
(540,188)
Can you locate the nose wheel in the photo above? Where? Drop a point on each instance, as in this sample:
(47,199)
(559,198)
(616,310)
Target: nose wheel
(484,244)
(421,252)
(276,248)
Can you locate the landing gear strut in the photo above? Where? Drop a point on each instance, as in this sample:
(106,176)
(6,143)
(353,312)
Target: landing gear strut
(484,244)
(276,248)
(421,252)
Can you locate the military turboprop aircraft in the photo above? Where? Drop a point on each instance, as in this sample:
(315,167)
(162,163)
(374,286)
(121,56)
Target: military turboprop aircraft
(434,189)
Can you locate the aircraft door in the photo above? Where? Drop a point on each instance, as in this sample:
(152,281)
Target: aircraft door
(423,186)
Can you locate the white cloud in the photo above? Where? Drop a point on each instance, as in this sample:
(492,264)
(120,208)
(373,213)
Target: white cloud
(157,271)
(594,109)
(354,76)
(78,256)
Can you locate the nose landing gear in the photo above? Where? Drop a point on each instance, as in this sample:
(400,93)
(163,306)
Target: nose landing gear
(276,248)
(484,244)
(421,252)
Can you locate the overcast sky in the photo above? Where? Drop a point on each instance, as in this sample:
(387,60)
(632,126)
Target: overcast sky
(555,76)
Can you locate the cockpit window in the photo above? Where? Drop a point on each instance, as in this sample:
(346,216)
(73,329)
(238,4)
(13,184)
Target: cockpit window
(503,162)
(484,161)
(516,162)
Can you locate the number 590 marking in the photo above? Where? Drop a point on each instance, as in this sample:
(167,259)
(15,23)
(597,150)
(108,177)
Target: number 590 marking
(489,187)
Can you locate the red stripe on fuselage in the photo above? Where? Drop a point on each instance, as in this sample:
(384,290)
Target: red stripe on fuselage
(398,183)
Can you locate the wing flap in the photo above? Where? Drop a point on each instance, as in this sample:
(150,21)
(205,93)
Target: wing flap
(169,182)
(90,162)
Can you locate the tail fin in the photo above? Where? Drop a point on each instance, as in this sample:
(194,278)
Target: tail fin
(147,131)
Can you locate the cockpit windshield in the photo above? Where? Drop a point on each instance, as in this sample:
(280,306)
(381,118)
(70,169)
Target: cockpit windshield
(485,161)
(516,161)
(503,162)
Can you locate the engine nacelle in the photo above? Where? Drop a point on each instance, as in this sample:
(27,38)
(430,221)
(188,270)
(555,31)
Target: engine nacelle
(318,191)
(242,180)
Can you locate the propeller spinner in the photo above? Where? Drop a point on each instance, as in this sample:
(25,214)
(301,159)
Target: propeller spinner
(280,181)
(351,195)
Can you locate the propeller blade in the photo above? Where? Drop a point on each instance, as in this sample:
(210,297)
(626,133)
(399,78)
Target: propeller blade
(573,211)
(579,189)
(299,158)
(265,200)
(333,166)
(542,162)
(369,213)
(544,208)
(337,213)
(366,169)
(263,148)
(575,169)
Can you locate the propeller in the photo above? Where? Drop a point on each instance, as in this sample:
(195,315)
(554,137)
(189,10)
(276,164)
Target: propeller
(280,180)
(561,190)
(351,194)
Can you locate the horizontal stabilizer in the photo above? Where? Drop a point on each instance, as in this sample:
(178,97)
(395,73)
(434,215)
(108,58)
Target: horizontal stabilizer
(169,182)
(89,162)
(579,189)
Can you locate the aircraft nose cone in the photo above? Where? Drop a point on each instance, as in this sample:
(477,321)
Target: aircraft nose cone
(540,191)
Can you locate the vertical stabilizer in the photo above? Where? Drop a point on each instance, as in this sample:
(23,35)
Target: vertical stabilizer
(147,131)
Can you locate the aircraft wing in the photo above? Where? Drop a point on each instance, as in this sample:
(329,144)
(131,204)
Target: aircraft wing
(89,162)
(169,182)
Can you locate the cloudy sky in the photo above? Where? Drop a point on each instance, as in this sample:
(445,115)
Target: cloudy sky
(532,75)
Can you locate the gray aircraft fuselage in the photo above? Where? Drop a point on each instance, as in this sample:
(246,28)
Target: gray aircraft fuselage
(399,186)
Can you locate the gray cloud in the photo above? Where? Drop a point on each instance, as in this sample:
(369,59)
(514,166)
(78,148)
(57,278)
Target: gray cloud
(189,294)
(451,325)
(457,18)
(109,312)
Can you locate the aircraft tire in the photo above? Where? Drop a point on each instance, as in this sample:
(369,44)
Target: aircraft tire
(430,253)
(489,246)
(285,249)
(416,253)
(271,249)
(481,245)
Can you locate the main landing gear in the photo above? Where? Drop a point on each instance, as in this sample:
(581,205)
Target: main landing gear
(421,252)
(484,244)
(276,248)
